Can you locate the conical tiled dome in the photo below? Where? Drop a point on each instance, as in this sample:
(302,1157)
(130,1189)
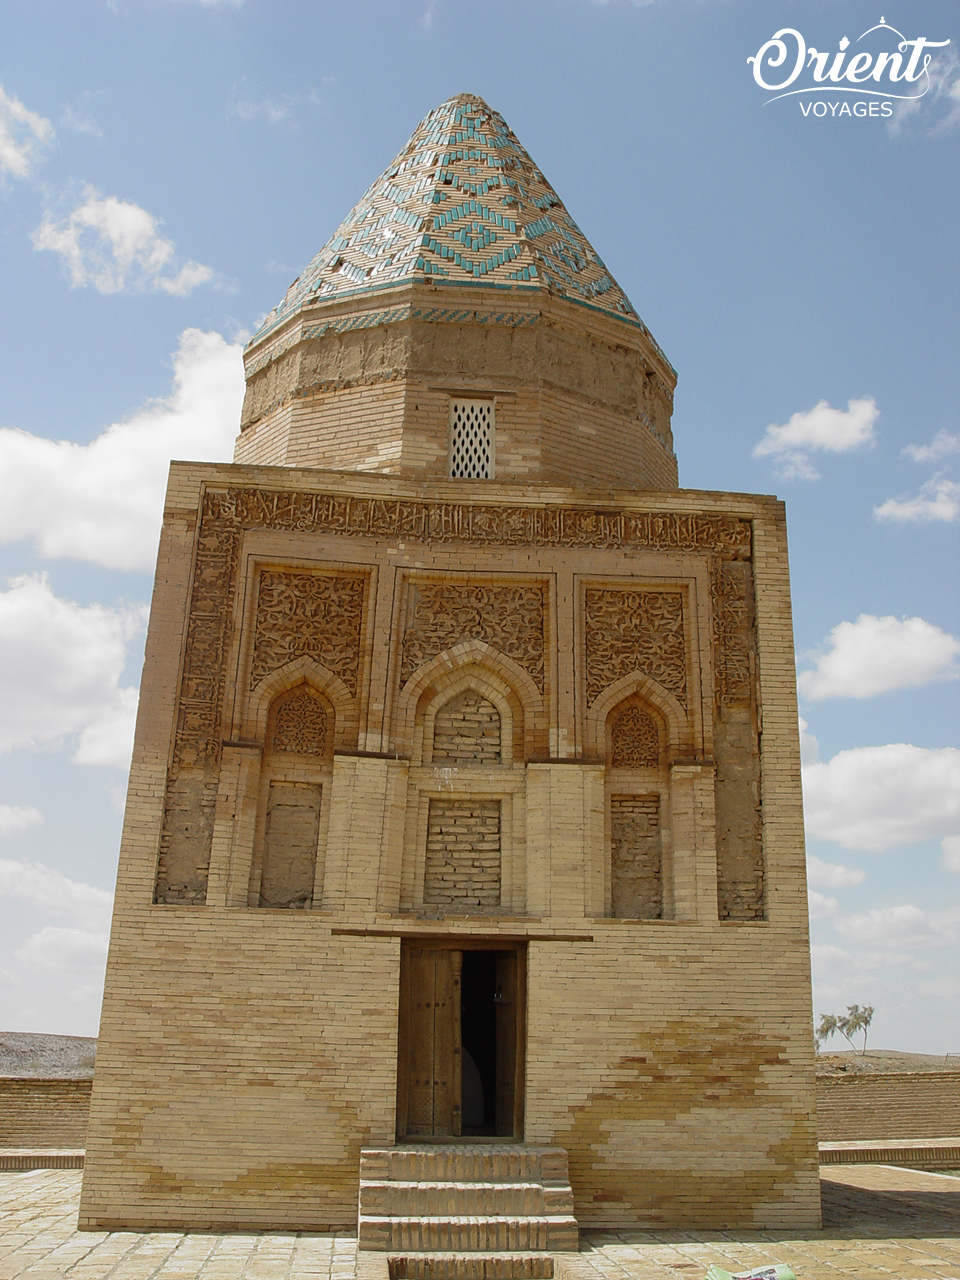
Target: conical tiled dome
(462,203)
(460,291)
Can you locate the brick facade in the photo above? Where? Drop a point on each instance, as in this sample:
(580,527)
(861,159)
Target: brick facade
(549,717)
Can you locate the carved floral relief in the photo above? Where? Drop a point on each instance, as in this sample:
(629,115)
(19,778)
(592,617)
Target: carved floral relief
(309,615)
(629,631)
(442,614)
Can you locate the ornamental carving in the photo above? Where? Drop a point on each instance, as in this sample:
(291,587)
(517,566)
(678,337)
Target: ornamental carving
(226,513)
(209,631)
(443,614)
(730,588)
(634,740)
(310,615)
(444,522)
(300,725)
(634,631)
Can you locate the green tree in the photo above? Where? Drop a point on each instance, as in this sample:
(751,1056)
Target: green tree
(855,1021)
(828,1026)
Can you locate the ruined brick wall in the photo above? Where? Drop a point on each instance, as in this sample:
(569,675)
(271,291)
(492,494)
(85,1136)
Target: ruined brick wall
(635,850)
(44,1113)
(888,1107)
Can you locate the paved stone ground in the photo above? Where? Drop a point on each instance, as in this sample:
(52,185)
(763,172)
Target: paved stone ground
(880,1223)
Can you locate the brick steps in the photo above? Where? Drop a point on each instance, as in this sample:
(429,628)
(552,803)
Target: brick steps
(467,1212)
(471,1266)
(27,1158)
(457,1199)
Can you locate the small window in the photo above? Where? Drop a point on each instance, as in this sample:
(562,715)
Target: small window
(471,439)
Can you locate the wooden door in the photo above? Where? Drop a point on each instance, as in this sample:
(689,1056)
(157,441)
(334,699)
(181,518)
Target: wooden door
(428,1069)
(510,1036)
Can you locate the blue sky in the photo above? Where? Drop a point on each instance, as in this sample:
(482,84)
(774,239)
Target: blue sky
(167,167)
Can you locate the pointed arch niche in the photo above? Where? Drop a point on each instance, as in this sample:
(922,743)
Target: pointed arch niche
(293,800)
(463,850)
(639,863)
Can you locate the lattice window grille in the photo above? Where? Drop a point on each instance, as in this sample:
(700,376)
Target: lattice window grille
(471,439)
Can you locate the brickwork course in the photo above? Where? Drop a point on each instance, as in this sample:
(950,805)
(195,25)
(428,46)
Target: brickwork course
(513,720)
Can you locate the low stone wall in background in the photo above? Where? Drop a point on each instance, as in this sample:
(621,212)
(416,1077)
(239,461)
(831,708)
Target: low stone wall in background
(888,1107)
(44,1113)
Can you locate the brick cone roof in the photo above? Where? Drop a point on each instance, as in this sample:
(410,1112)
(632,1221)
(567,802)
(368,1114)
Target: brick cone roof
(463,203)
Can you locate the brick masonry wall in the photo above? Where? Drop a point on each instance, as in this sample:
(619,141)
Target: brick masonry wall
(246,1055)
(463,854)
(635,856)
(888,1107)
(580,398)
(44,1113)
(467,731)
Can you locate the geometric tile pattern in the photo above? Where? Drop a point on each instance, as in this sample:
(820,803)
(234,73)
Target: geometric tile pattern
(463,202)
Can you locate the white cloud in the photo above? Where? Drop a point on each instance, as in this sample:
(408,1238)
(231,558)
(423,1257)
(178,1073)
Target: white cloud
(78,116)
(820,907)
(809,746)
(114,245)
(820,428)
(874,655)
(23,135)
(60,667)
(950,859)
(53,892)
(66,951)
(876,798)
(905,925)
(942,444)
(941,100)
(15,818)
(103,501)
(939,499)
(54,980)
(832,875)
(272,110)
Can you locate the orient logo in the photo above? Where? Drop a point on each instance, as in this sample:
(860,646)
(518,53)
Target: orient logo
(887,67)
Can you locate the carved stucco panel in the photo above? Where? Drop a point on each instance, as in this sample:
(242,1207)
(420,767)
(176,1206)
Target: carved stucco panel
(442,614)
(300,725)
(635,742)
(730,585)
(311,615)
(629,631)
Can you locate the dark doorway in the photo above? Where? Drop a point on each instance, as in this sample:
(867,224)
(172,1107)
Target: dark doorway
(460,1067)
(478,1028)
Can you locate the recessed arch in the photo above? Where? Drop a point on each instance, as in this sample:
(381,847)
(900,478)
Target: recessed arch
(304,670)
(471,664)
(663,704)
(635,735)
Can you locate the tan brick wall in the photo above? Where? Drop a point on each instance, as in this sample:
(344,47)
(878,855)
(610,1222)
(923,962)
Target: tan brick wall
(894,1106)
(246,1054)
(661,1058)
(636,871)
(467,731)
(579,398)
(463,855)
(44,1113)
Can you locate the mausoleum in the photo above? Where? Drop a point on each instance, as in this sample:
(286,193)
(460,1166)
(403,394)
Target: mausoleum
(464,826)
